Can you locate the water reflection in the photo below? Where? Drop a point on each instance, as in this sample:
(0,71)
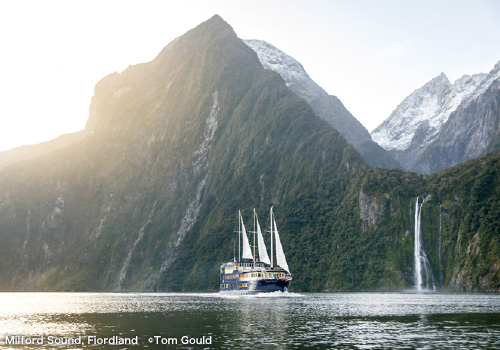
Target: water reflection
(254,323)
(311,321)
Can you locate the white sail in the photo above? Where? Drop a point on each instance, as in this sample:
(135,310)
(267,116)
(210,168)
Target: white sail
(262,247)
(247,252)
(280,255)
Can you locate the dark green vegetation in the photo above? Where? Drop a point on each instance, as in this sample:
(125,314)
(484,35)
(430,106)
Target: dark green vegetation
(147,199)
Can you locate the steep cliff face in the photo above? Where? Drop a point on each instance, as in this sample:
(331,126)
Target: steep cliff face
(440,124)
(371,211)
(327,107)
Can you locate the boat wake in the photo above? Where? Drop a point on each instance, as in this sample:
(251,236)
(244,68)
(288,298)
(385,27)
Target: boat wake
(280,294)
(276,294)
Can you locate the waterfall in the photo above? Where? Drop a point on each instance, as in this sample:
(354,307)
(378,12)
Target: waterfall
(417,248)
(422,265)
(440,244)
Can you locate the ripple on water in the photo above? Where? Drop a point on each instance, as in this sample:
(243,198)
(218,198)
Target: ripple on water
(287,321)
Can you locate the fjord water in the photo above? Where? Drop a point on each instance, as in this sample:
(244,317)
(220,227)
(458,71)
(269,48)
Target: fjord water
(277,321)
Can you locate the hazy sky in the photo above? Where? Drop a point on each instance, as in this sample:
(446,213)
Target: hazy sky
(371,54)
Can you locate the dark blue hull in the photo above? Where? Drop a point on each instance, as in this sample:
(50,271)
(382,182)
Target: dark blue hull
(268,286)
(254,287)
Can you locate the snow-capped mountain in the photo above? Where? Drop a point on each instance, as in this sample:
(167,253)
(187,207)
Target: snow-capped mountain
(327,107)
(290,69)
(419,131)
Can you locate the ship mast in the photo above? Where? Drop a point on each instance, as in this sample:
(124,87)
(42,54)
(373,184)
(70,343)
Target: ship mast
(271,224)
(239,235)
(254,229)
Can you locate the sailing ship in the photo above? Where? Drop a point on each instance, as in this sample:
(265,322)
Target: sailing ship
(247,275)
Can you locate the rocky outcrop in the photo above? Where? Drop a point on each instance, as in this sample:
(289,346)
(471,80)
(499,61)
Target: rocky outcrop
(371,211)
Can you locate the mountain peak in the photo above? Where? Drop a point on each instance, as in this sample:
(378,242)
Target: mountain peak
(203,34)
(213,24)
(440,80)
(419,108)
(216,21)
(216,18)
(419,120)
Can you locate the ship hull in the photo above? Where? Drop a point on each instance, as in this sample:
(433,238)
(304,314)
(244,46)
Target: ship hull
(257,287)
(269,286)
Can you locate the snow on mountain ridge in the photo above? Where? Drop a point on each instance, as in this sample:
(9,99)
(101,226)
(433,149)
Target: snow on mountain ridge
(423,113)
(397,131)
(290,69)
(487,80)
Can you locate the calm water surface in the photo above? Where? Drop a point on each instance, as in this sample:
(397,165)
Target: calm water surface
(280,321)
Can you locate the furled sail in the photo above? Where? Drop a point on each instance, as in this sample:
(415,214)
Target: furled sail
(262,246)
(247,252)
(280,255)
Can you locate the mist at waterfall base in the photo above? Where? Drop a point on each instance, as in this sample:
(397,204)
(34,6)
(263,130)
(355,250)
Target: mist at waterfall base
(274,321)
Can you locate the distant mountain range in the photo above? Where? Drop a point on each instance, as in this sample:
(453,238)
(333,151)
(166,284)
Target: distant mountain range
(147,196)
(443,124)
